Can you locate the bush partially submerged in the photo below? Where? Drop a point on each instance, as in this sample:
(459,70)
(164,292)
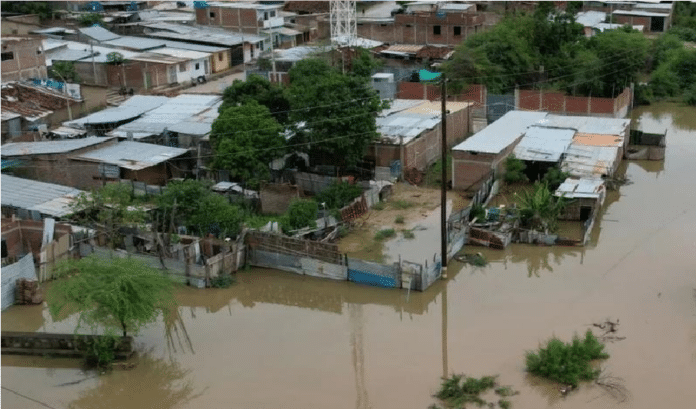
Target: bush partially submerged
(385,234)
(458,390)
(567,363)
(222,281)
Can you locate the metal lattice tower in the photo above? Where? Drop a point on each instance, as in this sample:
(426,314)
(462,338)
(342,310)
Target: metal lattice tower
(344,27)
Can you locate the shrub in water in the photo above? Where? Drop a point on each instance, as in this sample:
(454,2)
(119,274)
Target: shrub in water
(385,234)
(567,363)
(222,281)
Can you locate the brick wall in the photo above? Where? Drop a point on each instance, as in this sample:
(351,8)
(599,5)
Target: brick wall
(62,170)
(154,175)
(634,21)
(229,18)
(424,150)
(28,60)
(470,168)
(419,28)
(475,93)
(23,236)
(556,102)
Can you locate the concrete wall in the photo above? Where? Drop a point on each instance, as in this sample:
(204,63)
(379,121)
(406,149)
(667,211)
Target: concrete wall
(28,60)
(221,61)
(20,25)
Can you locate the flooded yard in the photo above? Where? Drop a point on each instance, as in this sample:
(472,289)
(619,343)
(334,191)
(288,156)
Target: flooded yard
(277,340)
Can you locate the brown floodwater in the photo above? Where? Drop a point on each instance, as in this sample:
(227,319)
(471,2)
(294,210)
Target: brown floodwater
(278,340)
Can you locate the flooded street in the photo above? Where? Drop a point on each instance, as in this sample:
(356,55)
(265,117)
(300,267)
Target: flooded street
(277,340)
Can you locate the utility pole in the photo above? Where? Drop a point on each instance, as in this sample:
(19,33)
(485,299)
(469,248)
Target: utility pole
(443,198)
(94,65)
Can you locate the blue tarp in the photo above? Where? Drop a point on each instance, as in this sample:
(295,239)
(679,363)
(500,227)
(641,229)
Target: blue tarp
(425,75)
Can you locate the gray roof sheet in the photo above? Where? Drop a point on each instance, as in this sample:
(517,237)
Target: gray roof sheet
(500,134)
(130,109)
(406,119)
(577,188)
(201,34)
(136,43)
(98,33)
(544,144)
(590,18)
(179,109)
(588,124)
(133,155)
(585,161)
(67,54)
(193,47)
(641,13)
(47,198)
(49,147)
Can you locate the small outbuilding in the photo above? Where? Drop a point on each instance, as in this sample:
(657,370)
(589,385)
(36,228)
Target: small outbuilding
(584,196)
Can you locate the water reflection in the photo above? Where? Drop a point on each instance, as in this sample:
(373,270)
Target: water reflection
(536,258)
(166,387)
(544,388)
(681,117)
(357,319)
(175,333)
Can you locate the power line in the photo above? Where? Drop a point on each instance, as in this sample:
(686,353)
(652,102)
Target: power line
(31,399)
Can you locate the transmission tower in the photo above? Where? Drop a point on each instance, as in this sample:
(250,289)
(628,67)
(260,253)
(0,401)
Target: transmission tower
(344,27)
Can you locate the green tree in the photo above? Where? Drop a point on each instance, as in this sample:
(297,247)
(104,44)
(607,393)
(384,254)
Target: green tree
(621,56)
(90,19)
(363,63)
(116,293)
(261,90)
(514,170)
(300,214)
(246,139)
(662,46)
(216,215)
(64,71)
(109,208)
(41,8)
(335,113)
(339,195)
(554,177)
(539,208)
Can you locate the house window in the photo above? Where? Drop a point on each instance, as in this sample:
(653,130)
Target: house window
(182,67)
(212,15)
(198,65)
(8,56)
(219,56)
(265,16)
(436,30)
(457,30)
(272,13)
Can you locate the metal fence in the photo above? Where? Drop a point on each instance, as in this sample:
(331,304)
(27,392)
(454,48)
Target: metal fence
(24,268)
(376,274)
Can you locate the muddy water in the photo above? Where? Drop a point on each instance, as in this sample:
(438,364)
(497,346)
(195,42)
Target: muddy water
(425,243)
(280,340)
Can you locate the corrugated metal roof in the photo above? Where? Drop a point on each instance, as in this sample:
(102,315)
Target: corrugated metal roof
(502,133)
(152,56)
(407,119)
(136,43)
(130,109)
(201,34)
(579,188)
(7,115)
(544,144)
(47,198)
(133,155)
(192,128)
(179,53)
(606,26)
(589,161)
(590,18)
(98,33)
(68,133)
(589,124)
(193,47)
(67,54)
(300,52)
(640,13)
(54,30)
(49,147)
(179,109)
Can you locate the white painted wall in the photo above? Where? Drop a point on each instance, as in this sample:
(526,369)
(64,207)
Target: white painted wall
(190,70)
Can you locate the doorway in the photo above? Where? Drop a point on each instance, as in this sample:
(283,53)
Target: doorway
(585,212)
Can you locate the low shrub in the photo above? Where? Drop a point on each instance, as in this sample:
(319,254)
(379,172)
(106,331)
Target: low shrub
(567,363)
(514,170)
(458,390)
(408,234)
(222,281)
(399,219)
(379,206)
(101,352)
(401,204)
(385,234)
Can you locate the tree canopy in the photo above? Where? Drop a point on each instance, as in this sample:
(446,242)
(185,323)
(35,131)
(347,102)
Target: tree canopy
(548,49)
(121,293)
(193,204)
(64,71)
(246,138)
(333,113)
(261,90)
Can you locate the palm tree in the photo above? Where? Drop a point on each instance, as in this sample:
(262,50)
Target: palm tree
(540,209)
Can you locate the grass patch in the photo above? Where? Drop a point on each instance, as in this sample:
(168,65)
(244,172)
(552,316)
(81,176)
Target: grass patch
(401,204)
(504,404)
(567,363)
(505,391)
(408,234)
(385,234)
(399,219)
(379,206)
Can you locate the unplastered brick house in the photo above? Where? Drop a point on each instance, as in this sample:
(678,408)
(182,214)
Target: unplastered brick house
(22,58)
